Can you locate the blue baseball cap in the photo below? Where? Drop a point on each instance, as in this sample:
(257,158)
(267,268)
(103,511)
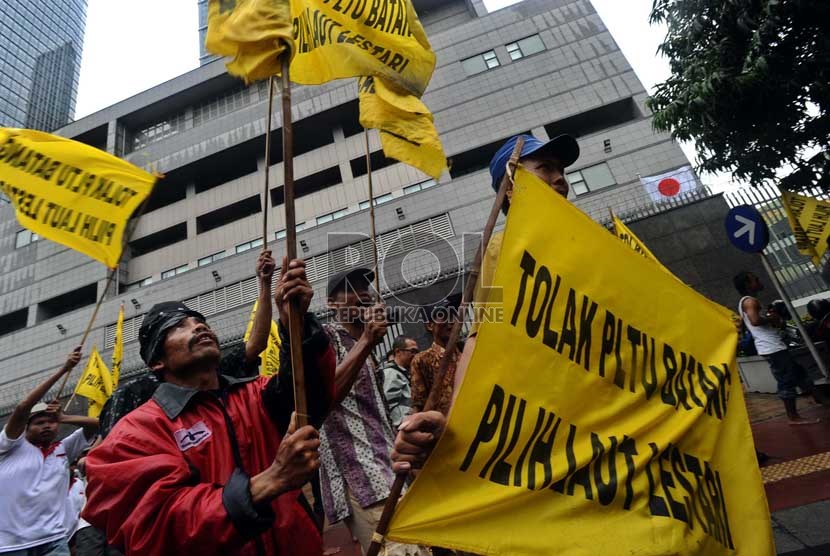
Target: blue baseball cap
(563,147)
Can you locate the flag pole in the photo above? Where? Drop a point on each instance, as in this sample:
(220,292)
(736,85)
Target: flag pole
(372,211)
(267,162)
(295,319)
(452,344)
(138,214)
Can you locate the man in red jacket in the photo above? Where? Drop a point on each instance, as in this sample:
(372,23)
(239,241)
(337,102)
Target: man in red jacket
(212,464)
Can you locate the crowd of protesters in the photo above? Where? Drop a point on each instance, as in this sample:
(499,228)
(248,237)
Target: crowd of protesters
(203,456)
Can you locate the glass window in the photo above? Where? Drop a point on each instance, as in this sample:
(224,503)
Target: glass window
(590,179)
(480,62)
(24,238)
(253,244)
(332,216)
(211,258)
(525,47)
(282,233)
(174,271)
(378,201)
(419,186)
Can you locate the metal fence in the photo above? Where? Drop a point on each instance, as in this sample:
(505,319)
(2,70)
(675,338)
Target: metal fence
(796,272)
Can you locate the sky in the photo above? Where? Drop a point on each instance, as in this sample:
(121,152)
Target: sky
(131,46)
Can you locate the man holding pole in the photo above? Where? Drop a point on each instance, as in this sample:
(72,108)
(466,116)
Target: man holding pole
(213,464)
(34,471)
(356,439)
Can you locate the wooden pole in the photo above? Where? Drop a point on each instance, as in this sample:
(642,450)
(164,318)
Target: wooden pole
(372,212)
(295,319)
(113,273)
(452,345)
(267,192)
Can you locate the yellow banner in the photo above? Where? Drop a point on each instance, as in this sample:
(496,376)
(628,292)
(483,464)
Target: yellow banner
(810,220)
(331,40)
(407,130)
(96,383)
(69,192)
(601,416)
(118,349)
(254,33)
(270,358)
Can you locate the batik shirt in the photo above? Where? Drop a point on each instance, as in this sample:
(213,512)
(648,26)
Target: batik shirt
(424,368)
(355,440)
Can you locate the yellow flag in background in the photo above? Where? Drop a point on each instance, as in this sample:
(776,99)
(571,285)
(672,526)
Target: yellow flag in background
(254,33)
(598,416)
(628,237)
(95,383)
(118,349)
(71,193)
(407,131)
(270,358)
(810,220)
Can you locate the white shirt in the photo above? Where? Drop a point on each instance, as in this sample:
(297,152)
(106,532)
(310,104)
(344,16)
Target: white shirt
(767,339)
(75,500)
(34,489)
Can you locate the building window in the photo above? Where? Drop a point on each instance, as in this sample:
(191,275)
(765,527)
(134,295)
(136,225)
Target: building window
(159,130)
(525,47)
(378,201)
(139,284)
(419,186)
(253,244)
(211,258)
(336,215)
(174,271)
(480,62)
(281,233)
(24,238)
(590,179)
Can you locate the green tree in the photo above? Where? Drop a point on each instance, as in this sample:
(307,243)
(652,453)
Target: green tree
(750,84)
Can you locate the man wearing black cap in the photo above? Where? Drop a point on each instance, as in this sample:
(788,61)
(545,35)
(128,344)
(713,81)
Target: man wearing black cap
(34,471)
(356,439)
(213,464)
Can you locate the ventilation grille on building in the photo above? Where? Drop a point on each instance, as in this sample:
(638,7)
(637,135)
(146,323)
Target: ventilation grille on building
(318,268)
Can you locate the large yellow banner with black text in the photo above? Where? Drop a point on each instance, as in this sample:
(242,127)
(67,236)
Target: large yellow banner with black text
(71,193)
(603,415)
(810,221)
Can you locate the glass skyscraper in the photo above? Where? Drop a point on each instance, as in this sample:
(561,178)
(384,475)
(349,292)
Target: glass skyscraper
(204,55)
(41,42)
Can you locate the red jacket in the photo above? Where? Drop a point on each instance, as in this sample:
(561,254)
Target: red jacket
(169,480)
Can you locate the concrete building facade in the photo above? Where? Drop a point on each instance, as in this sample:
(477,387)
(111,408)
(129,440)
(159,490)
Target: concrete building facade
(41,41)
(544,66)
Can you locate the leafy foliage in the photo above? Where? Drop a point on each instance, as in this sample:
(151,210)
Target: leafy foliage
(750,84)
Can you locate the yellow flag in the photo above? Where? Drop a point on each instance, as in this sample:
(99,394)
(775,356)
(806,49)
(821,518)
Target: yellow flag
(270,357)
(69,192)
(96,383)
(118,349)
(810,220)
(255,33)
(407,131)
(628,237)
(623,429)
(383,38)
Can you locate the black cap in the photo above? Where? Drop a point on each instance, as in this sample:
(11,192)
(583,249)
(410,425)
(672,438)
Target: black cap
(157,322)
(356,276)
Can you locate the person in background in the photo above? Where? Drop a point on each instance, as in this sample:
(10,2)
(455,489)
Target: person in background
(396,379)
(438,321)
(789,375)
(34,471)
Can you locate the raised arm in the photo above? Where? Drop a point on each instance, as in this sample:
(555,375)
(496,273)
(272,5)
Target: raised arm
(20,416)
(258,338)
(373,332)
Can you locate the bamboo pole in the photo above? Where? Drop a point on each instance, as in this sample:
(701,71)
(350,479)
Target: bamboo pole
(267,192)
(452,345)
(295,319)
(372,212)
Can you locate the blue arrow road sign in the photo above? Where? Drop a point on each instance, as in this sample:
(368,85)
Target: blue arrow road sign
(746,229)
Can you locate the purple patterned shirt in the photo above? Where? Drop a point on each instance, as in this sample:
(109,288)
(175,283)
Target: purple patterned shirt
(355,440)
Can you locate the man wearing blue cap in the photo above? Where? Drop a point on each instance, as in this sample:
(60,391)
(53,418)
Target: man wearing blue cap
(419,432)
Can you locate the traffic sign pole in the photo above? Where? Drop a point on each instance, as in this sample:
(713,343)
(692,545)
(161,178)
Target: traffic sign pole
(788,302)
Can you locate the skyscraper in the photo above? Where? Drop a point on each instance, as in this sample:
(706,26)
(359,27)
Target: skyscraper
(204,55)
(41,41)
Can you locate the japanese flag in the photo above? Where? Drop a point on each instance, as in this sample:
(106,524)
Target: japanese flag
(670,185)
